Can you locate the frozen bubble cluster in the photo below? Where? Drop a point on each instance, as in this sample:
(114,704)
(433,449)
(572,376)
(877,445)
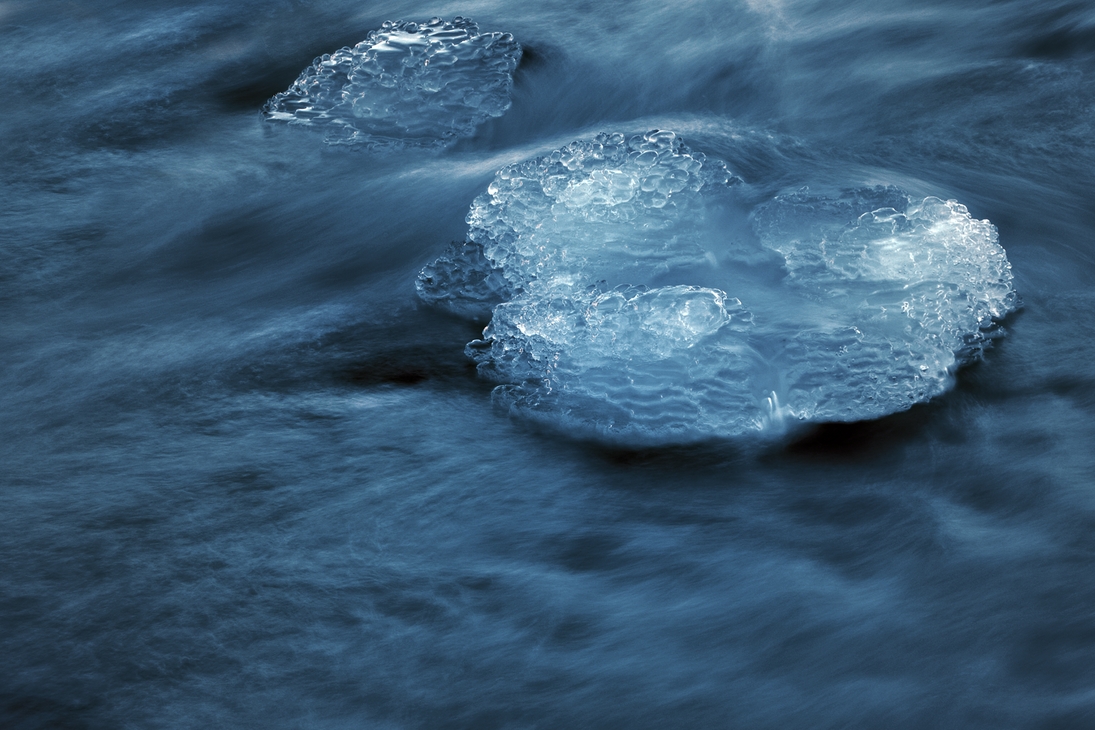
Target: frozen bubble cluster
(633,295)
(423,84)
(607,210)
(900,291)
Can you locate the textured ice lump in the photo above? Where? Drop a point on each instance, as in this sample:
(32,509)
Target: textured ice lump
(903,292)
(610,210)
(907,291)
(423,84)
(664,364)
(632,296)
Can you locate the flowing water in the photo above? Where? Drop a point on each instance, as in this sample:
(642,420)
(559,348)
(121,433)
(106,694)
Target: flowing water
(247,479)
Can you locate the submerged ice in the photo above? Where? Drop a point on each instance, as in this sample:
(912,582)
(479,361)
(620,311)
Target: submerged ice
(632,294)
(423,84)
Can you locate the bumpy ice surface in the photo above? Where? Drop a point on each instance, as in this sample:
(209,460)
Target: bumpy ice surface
(407,83)
(610,210)
(625,301)
(905,292)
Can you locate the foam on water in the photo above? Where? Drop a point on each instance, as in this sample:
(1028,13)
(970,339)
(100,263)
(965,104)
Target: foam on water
(837,308)
(423,84)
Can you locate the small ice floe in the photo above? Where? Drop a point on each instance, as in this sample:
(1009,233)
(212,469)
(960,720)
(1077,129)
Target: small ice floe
(419,84)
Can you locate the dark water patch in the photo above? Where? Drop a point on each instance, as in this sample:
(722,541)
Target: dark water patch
(592,551)
(738,86)
(385,371)
(980,123)
(247,95)
(410,608)
(150,123)
(863,534)
(1062,43)
(1059,32)
(543,82)
(1009,494)
(33,712)
(412,366)
(1056,655)
(248,481)
(846,511)
(1079,389)
(534,57)
(224,244)
(573,630)
(250,80)
(713,454)
(878,438)
(369,356)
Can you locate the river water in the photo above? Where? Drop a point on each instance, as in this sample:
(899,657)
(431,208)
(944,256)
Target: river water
(249,480)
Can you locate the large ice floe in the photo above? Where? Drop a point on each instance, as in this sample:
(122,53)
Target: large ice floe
(633,296)
(420,84)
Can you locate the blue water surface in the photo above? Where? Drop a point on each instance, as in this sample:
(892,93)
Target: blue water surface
(247,479)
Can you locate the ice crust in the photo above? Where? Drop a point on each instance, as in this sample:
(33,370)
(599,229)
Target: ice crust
(419,84)
(626,302)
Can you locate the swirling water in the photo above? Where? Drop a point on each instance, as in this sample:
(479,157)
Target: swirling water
(249,480)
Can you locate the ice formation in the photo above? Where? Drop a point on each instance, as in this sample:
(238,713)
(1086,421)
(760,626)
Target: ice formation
(625,301)
(906,291)
(610,209)
(423,84)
